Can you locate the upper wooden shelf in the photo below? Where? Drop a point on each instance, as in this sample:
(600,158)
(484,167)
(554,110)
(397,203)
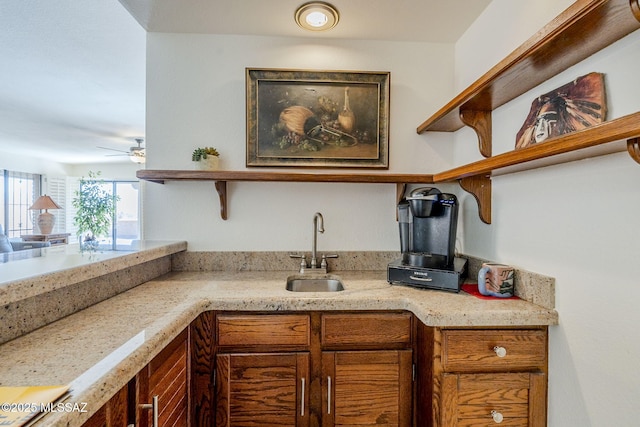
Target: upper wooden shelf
(605,138)
(221,177)
(203,175)
(583,29)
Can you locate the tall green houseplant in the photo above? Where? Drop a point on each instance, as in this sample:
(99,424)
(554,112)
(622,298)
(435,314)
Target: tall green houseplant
(95,207)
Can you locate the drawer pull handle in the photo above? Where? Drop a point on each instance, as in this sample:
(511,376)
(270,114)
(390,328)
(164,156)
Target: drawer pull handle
(154,408)
(328,395)
(421,279)
(500,351)
(497,417)
(302,399)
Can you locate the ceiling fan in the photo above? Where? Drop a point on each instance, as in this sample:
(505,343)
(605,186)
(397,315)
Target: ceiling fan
(136,154)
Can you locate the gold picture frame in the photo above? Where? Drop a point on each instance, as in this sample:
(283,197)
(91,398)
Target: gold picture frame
(328,119)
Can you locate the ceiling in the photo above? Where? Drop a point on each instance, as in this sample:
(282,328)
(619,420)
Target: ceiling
(73,73)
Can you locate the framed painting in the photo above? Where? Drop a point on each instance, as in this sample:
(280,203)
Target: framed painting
(302,118)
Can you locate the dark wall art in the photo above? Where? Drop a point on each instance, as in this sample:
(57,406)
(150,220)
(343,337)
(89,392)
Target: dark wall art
(317,118)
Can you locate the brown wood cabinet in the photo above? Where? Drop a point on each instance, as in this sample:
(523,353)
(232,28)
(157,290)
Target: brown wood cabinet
(314,369)
(482,377)
(367,369)
(367,388)
(325,369)
(262,367)
(161,387)
(114,413)
(266,389)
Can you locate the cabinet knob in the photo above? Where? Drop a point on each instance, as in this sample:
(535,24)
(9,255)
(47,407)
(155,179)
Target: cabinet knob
(500,351)
(497,417)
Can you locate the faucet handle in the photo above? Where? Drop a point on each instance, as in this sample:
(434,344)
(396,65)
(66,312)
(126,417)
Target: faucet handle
(323,263)
(303,261)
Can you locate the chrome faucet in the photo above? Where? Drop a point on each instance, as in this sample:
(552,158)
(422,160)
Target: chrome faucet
(322,267)
(318,226)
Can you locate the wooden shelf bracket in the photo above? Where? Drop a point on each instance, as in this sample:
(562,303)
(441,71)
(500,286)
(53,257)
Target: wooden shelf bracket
(635,8)
(633,147)
(480,122)
(221,188)
(480,187)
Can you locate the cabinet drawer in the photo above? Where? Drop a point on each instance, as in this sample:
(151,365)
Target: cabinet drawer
(277,330)
(366,329)
(470,399)
(473,350)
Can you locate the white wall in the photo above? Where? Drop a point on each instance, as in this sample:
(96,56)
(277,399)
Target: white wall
(577,222)
(196,97)
(21,163)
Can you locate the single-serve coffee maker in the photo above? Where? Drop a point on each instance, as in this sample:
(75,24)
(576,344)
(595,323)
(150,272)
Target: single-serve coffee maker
(428,222)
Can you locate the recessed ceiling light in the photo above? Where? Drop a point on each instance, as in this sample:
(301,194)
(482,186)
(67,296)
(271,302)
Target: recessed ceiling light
(317,16)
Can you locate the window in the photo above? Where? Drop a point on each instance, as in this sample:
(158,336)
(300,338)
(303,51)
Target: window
(19,191)
(125,226)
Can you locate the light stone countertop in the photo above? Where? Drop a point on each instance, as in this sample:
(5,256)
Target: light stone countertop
(99,349)
(61,266)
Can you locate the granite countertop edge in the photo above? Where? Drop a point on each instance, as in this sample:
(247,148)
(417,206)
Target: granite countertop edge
(56,271)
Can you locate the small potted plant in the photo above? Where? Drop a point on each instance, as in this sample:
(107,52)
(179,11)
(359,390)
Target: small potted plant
(206,158)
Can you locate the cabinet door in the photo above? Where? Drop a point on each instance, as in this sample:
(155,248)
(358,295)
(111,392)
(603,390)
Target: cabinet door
(367,388)
(166,378)
(509,399)
(262,389)
(113,414)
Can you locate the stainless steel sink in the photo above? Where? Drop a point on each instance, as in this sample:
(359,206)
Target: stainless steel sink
(314,284)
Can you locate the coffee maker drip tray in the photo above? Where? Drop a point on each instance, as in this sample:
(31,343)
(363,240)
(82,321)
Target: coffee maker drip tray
(424,259)
(429,272)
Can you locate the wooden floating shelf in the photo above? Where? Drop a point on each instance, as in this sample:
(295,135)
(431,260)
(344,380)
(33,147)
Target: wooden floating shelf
(606,138)
(578,145)
(203,175)
(586,27)
(222,177)
(583,29)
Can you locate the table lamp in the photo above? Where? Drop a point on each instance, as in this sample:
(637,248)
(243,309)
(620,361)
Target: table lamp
(45,219)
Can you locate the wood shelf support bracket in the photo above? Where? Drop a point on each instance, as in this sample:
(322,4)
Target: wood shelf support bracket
(480,187)
(401,188)
(221,188)
(633,147)
(480,122)
(635,8)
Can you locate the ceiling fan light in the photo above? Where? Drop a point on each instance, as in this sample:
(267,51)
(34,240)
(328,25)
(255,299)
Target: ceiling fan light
(137,157)
(317,16)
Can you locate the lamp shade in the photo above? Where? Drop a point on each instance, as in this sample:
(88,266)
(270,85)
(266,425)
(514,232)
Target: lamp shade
(44,202)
